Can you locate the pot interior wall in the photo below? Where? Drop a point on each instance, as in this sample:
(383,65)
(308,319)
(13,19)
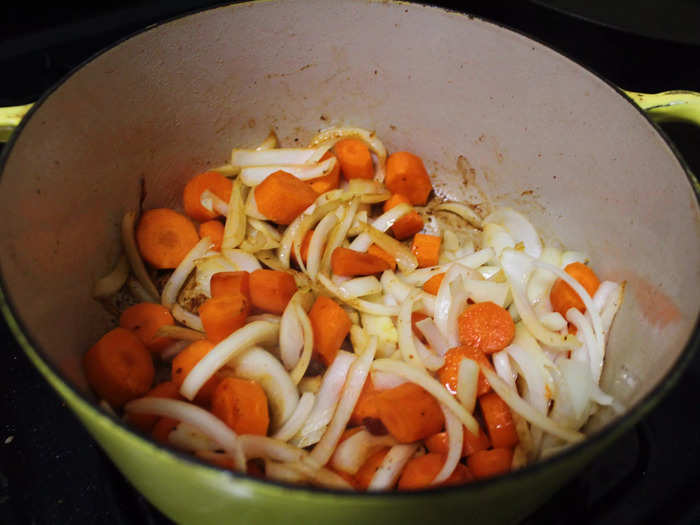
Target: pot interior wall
(540,133)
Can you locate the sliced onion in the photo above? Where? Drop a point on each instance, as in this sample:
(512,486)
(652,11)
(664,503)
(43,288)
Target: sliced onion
(383,328)
(430,360)
(467,383)
(189,319)
(331,136)
(213,203)
(610,310)
(113,281)
(320,476)
(292,425)
(358,304)
(207,423)
(305,358)
(190,438)
(244,261)
(257,332)
(596,354)
(603,293)
(369,191)
(235,226)
(134,256)
(553,321)
(483,291)
(266,157)
(358,223)
(455,437)
(501,363)
(450,301)
(387,474)
(393,286)
(310,384)
(405,259)
(270,318)
(269,448)
(519,228)
(361,286)
(497,238)
(206,267)
(179,332)
(357,375)
(450,241)
(431,385)
(405,328)
(436,340)
(251,207)
(463,211)
(266,229)
(473,261)
(254,175)
(575,389)
(490,272)
(541,281)
(282,472)
(270,142)
(139,293)
(386,380)
(351,454)
(184,269)
(291,341)
(570,256)
(318,240)
(382,223)
(426,304)
(339,233)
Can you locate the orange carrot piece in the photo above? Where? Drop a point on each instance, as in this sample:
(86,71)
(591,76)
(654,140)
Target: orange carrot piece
(426,248)
(221,316)
(406,174)
(382,254)
(472,443)
(420,472)
(486,326)
(366,406)
(490,463)
(350,263)
(409,413)
(331,324)
(242,405)
(230,283)
(499,421)
(564,297)
(437,443)
(432,285)
(162,429)
(271,290)
(144,319)
(355,159)
(164,237)
(281,197)
(214,230)
(119,367)
(304,248)
(409,224)
(145,422)
(364,475)
(186,360)
(327,182)
(213,181)
(447,375)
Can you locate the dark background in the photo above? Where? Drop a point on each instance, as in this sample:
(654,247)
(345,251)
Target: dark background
(51,471)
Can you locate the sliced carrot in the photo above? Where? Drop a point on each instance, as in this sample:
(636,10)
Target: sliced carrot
(327,182)
(119,367)
(144,319)
(242,405)
(331,324)
(486,326)
(230,283)
(426,248)
(420,472)
(417,317)
(223,315)
(355,159)
(406,174)
(162,429)
(281,197)
(499,421)
(349,263)
(448,374)
(409,224)
(271,290)
(214,230)
(563,296)
(145,422)
(409,413)
(364,475)
(213,181)
(186,360)
(490,463)
(304,248)
(474,443)
(164,237)
(438,443)
(432,285)
(366,406)
(382,254)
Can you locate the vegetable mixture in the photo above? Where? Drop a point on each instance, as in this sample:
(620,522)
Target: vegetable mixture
(314,317)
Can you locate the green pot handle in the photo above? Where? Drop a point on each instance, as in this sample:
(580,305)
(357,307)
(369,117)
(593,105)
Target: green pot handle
(669,106)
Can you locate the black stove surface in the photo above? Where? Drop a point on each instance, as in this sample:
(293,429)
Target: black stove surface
(52,472)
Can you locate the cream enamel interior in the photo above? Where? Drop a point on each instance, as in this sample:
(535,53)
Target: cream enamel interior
(541,133)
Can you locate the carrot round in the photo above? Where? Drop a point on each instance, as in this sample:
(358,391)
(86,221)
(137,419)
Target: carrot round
(449,372)
(426,248)
(409,413)
(331,324)
(214,230)
(349,263)
(432,285)
(281,197)
(192,195)
(409,224)
(230,283)
(119,367)
(271,290)
(564,297)
(162,429)
(499,421)
(486,326)
(366,406)
(420,472)
(363,477)
(327,182)
(406,174)
(242,405)
(164,237)
(439,443)
(144,319)
(355,159)
(490,463)
(382,254)
(221,316)
(186,360)
(145,422)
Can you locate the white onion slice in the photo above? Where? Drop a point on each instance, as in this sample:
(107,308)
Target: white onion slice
(303,363)
(430,360)
(318,240)
(179,332)
(455,437)
(251,207)
(497,238)
(351,454)
(436,340)
(339,233)
(553,321)
(292,425)
(583,327)
(405,329)
(270,142)
(610,309)
(386,476)
(134,256)
(213,203)
(481,291)
(270,318)
(501,363)
(463,211)
(570,256)
(269,448)
(519,228)
(393,286)
(113,281)
(603,293)
(190,438)
(189,319)
(244,261)
(356,303)
(254,157)
(235,226)
(467,383)
(382,223)
(361,286)
(405,259)
(450,301)
(282,472)
(386,380)
(184,269)
(207,423)
(473,261)
(254,175)
(291,340)
(320,476)
(541,281)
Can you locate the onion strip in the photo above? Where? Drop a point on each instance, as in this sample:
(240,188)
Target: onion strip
(254,175)
(358,304)
(387,474)
(113,281)
(180,332)
(405,329)
(184,269)
(255,446)
(467,383)
(297,419)
(305,358)
(235,226)
(189,319)
(463,211)
(455,437)
(134,256)
(405,259)
(318,240)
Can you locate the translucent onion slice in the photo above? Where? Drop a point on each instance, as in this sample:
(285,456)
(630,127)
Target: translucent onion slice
(386,380)
(501,363)
(267,157)
(180,332)
(189,319)
(206,267)
(291,341)
(351,454)
(455,437)
(482,291)
(527,411)
(356,303)
(331,136)
(266,229)
(405,328)
(520,229)
(570,256)
(463,211)
(184,269)
(603,293)
(431,385)
(394,286)
(282,472)
(610,310)
(213,203)
(361,286)
(134,257)
(270,142)
(139,292)
(405,259)
(533,366)
(357,375)
(541,281)
(339,233)
(450,301)
(430,360)
(450,242)
(473,261)
(497,238)
(553,321)
(436,340)
(426,304)
(257,332)
(318,241)
(254,175)
(269,448)
(320,476)
(235,226)
(263,368)
(251,207)
(113,281)
(382,223)
(310,384)
(369,191)
(190,438)
(387,474)
(305,358)
(207,423)
(467,383)
(244,261)
(270,318)
(292,425)
(595,355)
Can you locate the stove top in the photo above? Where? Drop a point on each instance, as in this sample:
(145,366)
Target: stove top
(51,471)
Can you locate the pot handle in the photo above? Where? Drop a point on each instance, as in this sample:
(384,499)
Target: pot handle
(10,118)
(669,106)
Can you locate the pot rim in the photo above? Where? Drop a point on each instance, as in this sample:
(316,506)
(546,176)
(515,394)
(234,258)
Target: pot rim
(608,432)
